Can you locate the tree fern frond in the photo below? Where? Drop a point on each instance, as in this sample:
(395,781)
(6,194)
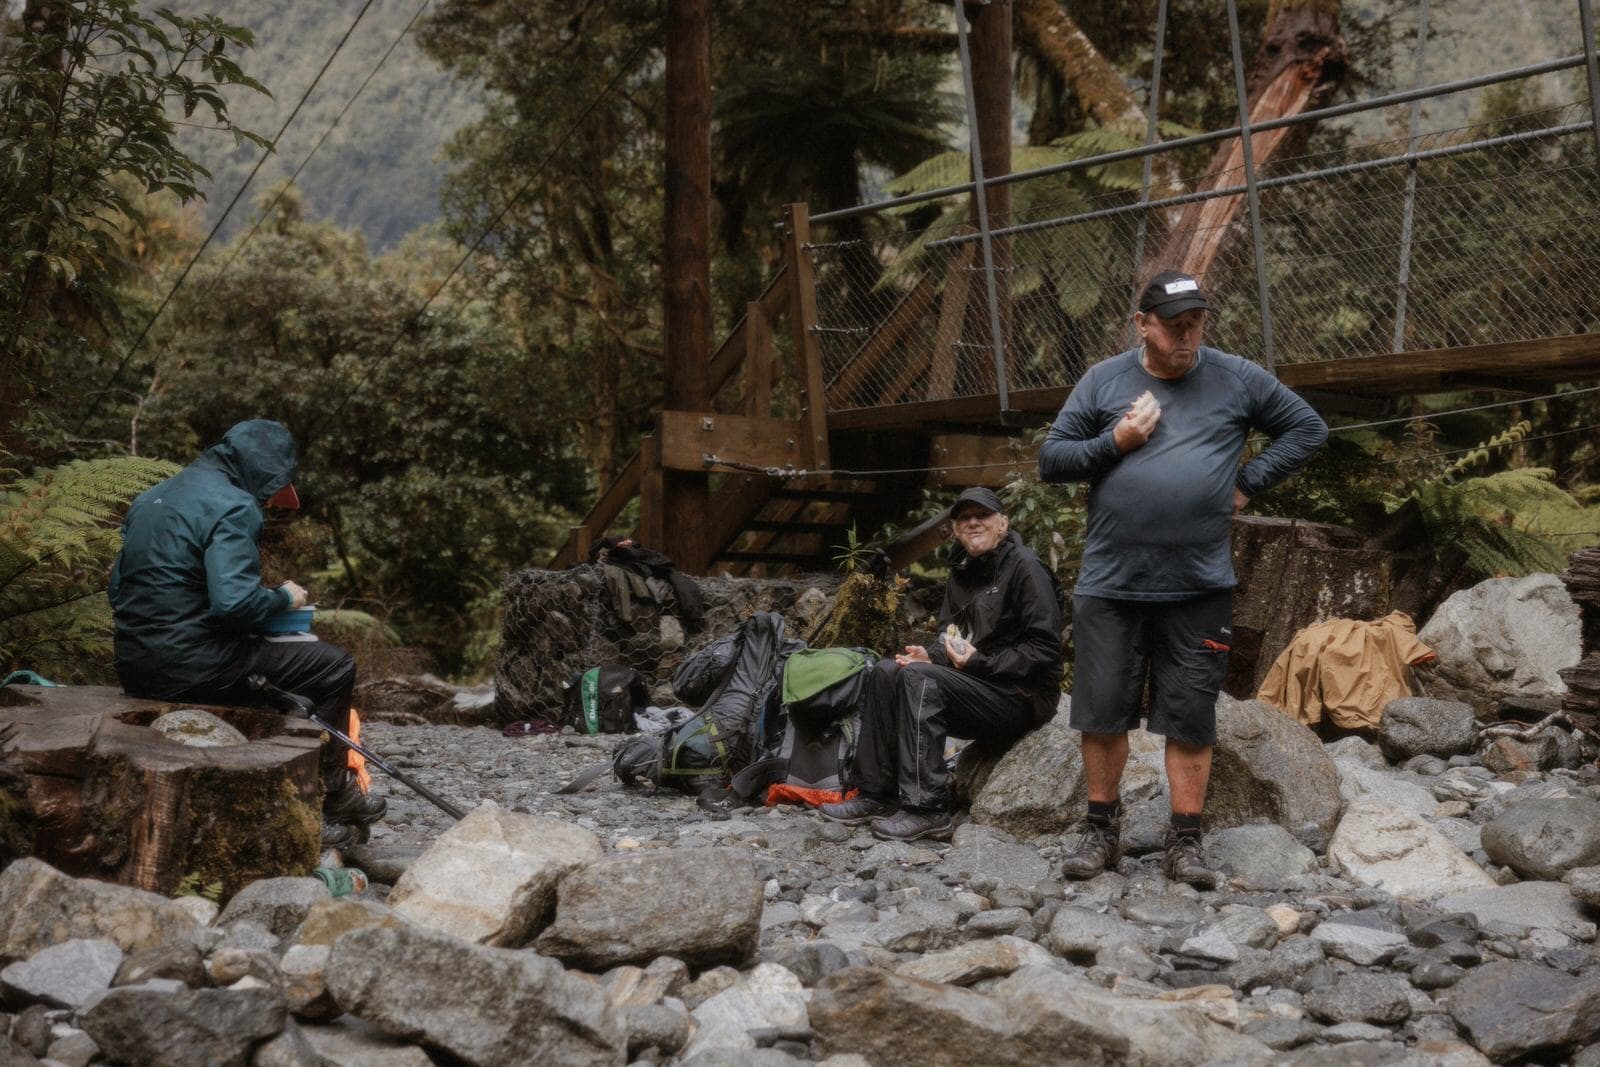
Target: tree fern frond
(58,537)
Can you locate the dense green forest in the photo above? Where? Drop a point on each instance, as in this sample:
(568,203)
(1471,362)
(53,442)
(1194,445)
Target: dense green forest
(455,411)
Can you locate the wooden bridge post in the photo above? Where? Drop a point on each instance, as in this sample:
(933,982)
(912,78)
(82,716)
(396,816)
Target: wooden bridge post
(807,348)
(757,360)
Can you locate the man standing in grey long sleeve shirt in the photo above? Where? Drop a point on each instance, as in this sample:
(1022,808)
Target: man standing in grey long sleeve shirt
(1158,432)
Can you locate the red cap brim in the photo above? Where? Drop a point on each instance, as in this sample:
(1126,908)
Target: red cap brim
(285,498)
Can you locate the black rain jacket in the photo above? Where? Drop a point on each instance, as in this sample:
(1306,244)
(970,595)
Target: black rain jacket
(1008,604)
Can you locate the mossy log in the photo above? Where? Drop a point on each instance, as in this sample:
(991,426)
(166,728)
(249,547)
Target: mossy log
(115,800)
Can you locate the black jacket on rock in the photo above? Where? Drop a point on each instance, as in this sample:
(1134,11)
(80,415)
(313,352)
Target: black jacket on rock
(1008,604)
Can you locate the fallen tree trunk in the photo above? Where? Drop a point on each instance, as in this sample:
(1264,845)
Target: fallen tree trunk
(115,800)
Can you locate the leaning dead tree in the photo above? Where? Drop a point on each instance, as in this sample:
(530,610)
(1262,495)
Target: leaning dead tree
(1300,63)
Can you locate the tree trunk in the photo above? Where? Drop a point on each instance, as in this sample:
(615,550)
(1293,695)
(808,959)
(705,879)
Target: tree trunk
(117,801)
(1300,63)
(686,259)
(991,89)
(1046,30)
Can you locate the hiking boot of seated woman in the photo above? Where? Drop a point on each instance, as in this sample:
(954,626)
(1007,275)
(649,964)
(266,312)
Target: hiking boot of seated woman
(1096,845)
(914,824)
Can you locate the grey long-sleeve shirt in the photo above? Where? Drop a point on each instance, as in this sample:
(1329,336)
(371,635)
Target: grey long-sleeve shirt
(1158,525)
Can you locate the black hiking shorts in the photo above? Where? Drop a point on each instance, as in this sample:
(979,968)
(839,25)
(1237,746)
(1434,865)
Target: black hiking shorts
(1178,648)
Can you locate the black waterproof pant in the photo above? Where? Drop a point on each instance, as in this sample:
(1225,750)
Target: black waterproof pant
(322,673)
(908,712)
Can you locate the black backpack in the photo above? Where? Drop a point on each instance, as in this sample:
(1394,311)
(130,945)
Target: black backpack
(811,758)
(601,700)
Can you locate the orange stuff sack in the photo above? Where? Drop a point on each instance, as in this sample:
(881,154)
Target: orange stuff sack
(355,760)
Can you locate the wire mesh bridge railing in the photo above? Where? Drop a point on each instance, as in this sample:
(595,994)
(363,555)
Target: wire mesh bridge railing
(1464,236)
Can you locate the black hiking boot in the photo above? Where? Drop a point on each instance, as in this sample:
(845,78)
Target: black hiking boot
(342,835)
(1183,862)
(856,810)
(1098,848)
(910,824)
(343,800)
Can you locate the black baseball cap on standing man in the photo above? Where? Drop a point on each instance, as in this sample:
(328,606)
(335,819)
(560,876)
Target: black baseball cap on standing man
(1171,293)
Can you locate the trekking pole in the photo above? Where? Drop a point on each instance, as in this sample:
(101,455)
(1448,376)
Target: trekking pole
(295,704)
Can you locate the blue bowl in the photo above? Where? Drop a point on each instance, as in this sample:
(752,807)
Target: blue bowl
(296,621)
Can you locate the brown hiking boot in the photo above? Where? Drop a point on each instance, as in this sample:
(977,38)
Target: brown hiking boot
(1098,847)
(1183,862)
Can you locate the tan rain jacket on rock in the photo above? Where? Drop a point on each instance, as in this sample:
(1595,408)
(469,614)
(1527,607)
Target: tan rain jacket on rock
(1346,670)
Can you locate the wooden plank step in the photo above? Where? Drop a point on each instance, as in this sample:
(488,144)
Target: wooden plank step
(801,559)
(832,496)
(786,526)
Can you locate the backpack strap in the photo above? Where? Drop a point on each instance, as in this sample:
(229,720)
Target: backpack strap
(585,778)
(752,782)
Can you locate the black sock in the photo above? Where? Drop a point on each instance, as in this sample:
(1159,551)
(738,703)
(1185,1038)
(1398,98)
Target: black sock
(1186,825)
(1104,810)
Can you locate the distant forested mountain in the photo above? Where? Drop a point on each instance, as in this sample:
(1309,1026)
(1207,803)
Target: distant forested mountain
(379,172)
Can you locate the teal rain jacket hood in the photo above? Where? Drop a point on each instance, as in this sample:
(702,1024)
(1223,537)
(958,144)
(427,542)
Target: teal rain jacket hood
(186,589)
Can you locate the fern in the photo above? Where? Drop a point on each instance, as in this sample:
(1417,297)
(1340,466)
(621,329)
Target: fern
(58,537)
(1513,522)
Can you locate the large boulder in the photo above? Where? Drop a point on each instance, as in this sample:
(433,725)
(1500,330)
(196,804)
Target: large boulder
(40,907)
(1036,1016)
(1512,1009)
(491,878)
(1398,851)
(1037,787)
(490,1007)
(1545,839)
(1505,637)
(1418,726)
(1266,767)
(700,905)
(163,1024)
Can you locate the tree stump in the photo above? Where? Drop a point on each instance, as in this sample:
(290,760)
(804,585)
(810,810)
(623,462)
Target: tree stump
(115,800)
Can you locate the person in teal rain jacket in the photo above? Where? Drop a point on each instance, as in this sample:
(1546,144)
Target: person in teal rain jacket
(188,602)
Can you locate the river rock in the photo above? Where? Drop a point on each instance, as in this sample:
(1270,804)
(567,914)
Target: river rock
(1390,788)
(768,998)
(1545,839)
(1420,726)
(1037,1016)
(1400,853)
(987,851)
(1359,942)
(1512,1009)
(492,1007)
(1536,905)
(332,917)
(197,729)
(975,961)
(352,1042)
(1504,637)
(1585,884)
(279,904)
(64,975)
(700,905)
(1363,997)
(178,959)
(163,1024)
(491,877)
(1081,935)
(40,907)
(1037,787)
(1266,767)
(1259,856)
